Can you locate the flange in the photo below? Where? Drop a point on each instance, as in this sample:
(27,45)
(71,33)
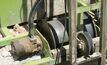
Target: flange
(85,45)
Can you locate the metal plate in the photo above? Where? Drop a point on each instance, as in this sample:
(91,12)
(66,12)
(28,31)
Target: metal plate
(89,25)
(89,29)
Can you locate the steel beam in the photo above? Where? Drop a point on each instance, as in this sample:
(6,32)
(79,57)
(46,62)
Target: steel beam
(72,30)
(103,39)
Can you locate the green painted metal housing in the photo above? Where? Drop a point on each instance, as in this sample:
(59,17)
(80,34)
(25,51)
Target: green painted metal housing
(10,12)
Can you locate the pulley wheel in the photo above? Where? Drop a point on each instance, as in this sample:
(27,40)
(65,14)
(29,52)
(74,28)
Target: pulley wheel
(58,31)
(84,45)
(46,31)
(53,31)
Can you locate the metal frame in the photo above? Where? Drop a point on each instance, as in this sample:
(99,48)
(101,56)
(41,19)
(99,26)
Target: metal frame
(72,31)
(103,38)
(72,10)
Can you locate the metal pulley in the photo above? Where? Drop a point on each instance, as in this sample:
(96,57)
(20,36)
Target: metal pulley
(26,46)
(53,31)
(58,31)
(45,30)
(85,45)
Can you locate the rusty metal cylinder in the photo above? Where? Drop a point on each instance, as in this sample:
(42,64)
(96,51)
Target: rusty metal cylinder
(26,46)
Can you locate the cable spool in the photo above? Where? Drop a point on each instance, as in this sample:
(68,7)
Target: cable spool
(85,45)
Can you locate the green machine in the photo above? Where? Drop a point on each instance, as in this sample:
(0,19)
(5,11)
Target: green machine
(15,12)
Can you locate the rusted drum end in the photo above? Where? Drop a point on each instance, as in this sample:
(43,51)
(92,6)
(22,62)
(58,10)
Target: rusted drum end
(26,46)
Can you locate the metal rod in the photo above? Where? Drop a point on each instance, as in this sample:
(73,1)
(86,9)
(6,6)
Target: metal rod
(72,31)
(51,8)
(103,30)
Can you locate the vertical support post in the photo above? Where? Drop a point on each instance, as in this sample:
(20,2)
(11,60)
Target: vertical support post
(25,11)
(103,39)
(79,21)
(72,31)
(51,8)
(41,10)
